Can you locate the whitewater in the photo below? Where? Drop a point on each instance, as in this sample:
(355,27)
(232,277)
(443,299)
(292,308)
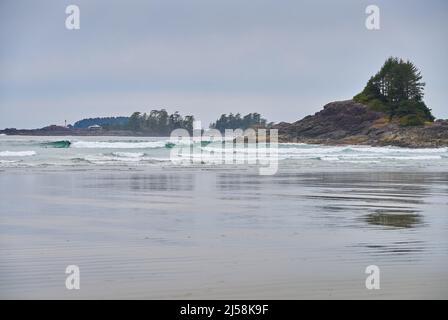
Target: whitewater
(22,151)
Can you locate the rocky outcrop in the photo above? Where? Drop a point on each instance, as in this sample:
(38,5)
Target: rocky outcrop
(350,122)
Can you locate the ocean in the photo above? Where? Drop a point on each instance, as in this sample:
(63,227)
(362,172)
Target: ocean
(139,225)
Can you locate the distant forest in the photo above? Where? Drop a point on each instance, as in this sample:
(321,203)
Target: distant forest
(85,123)
(161,123)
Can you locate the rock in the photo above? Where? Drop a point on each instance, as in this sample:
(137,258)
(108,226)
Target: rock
(350,122)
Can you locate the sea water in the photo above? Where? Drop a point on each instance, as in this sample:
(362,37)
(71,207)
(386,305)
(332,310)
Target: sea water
(21,151)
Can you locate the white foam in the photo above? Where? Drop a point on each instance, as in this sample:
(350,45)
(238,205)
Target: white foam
(135,151)
(128,154)
(118,144)
(387,150)
(107,159)
(8,161)
(363,154)
(11,164)
(17,153)
(329,158)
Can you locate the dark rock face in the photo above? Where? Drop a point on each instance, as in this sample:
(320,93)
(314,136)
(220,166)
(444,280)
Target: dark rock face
(336,121)
(349,122)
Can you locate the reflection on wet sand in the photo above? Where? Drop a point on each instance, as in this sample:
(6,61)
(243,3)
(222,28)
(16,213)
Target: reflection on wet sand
(395,250)
(148,182)
(382,201)
(394,219)
(173,233)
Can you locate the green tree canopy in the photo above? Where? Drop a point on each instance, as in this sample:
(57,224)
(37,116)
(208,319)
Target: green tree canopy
(397,90)
(157,122)
(232,121)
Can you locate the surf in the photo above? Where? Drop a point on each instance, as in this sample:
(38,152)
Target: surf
(57,144)
(17,153)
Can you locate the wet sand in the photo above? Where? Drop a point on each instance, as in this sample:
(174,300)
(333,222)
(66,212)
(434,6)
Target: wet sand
(189,233)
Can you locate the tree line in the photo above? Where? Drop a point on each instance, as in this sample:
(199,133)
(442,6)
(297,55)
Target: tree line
(161,123)
(231,121)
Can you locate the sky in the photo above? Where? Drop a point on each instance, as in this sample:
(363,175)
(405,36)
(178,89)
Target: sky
(284,59)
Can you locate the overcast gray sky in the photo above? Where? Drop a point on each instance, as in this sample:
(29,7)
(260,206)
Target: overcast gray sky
(284,59)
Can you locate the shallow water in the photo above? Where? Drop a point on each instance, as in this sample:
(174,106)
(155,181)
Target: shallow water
(155,230)
(23,151)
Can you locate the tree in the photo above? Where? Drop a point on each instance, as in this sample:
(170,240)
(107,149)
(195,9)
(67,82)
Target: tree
(134,121)
(397,90)
(187,123)
(237,122)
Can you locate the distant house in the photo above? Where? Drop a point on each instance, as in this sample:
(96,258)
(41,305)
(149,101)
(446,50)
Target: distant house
(95,127)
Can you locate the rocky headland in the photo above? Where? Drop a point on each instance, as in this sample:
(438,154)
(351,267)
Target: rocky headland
(350,122)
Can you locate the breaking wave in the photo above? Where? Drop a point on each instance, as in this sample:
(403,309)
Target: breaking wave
(118,158)
(141,151)
(57,144)
(118,144)
(17,153)
(133,155)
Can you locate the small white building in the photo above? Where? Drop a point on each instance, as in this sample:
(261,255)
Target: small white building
(95,127)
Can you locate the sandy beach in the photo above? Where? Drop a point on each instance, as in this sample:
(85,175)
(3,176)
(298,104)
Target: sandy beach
(190,233)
